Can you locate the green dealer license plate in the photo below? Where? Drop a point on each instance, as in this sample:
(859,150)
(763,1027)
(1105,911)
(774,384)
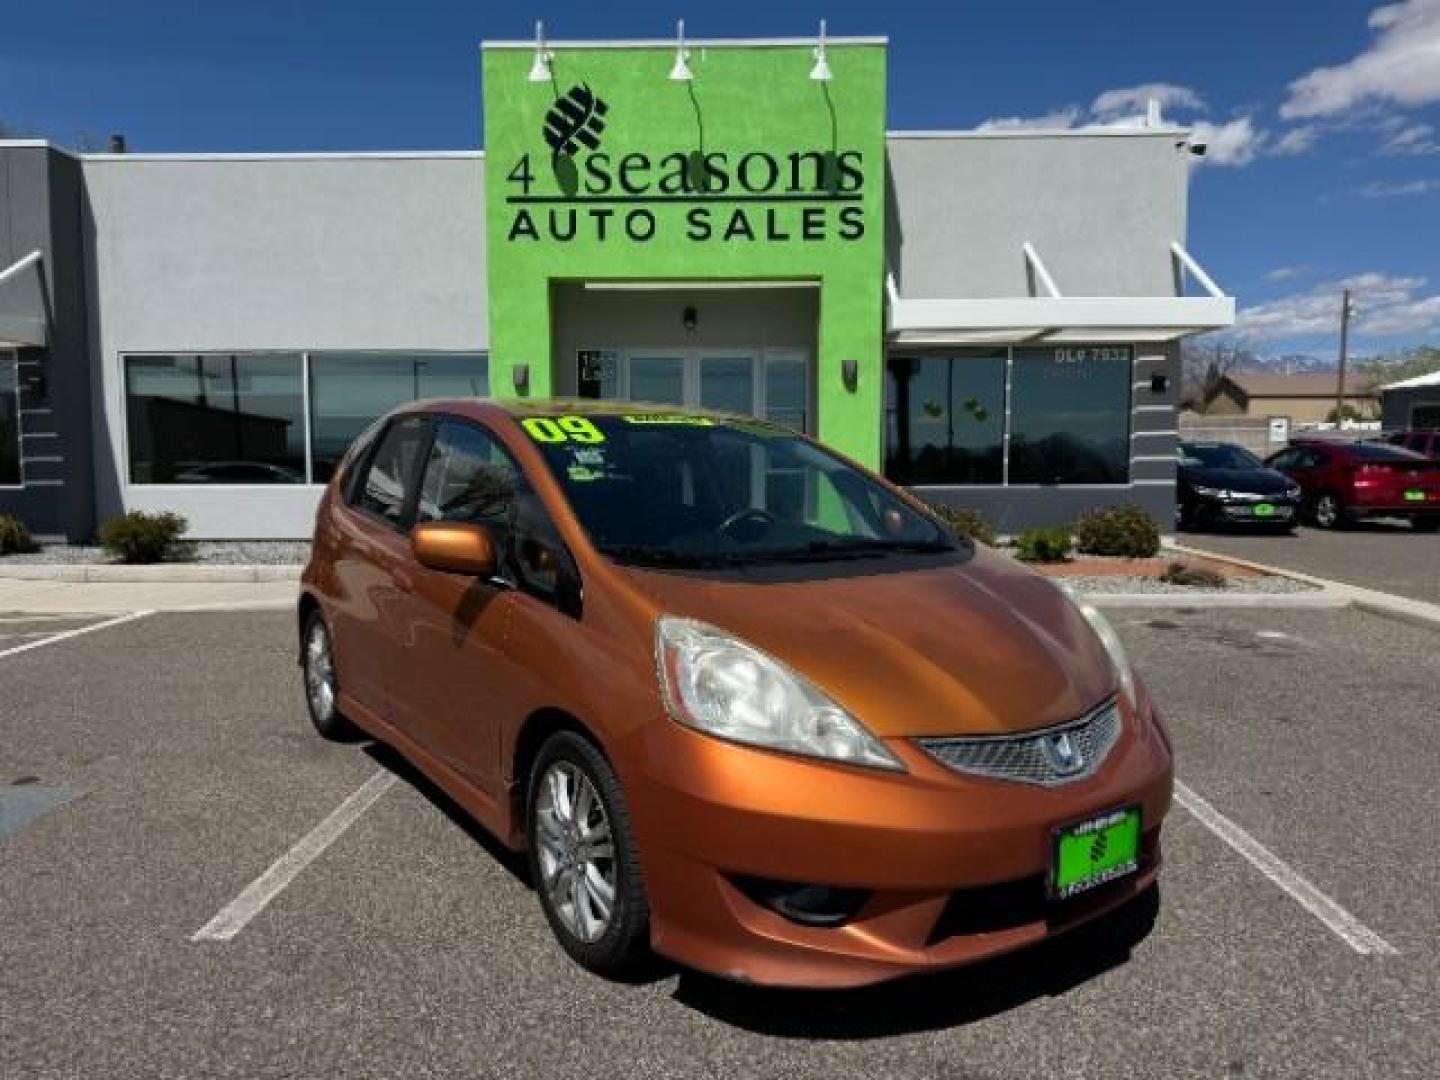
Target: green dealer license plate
(1414,495)
(1264,509)
(1093,852)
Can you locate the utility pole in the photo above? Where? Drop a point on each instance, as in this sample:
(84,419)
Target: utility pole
(1346,310)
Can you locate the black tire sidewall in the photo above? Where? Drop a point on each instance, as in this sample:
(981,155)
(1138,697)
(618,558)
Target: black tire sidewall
(335,726)
(625,943)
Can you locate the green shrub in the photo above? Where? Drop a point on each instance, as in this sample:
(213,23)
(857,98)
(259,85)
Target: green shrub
(966,522)
(138,537)
(15,538)
(1126,531)
(1198,577)
(1048,545)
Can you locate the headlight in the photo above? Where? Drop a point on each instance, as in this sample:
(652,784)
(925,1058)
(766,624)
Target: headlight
(1124,673)
(719,685)
(1211,493)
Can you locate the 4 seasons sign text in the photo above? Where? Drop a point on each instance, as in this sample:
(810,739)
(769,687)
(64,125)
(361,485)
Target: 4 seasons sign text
(575,189)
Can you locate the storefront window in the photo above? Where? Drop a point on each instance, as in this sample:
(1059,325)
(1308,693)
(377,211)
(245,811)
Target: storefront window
(224,419)
(349,390)
(1070,415)
(9,420)
(945,418)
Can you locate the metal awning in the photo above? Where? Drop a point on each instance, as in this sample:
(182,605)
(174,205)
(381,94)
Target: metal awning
(22,303)
(1052,316)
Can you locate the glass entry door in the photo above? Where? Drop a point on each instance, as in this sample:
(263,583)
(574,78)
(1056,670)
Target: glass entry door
(655,377)
(768,382)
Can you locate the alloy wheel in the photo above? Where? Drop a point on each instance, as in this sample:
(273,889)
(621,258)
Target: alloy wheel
(319,673)
(575,851)
(1327,511)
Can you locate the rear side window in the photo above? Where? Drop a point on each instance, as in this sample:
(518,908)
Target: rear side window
(390,473)
(1382,452)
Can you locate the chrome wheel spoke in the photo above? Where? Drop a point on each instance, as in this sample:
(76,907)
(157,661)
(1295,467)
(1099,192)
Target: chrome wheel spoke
(575,851)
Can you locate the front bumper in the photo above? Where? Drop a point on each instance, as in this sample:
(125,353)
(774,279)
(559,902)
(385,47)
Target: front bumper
(954,866)
(1284,511)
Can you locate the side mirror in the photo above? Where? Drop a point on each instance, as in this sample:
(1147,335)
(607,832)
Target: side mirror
(454,548)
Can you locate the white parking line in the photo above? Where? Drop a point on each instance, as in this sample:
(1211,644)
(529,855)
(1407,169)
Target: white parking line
(1340,922)
(231,919)
(68,634)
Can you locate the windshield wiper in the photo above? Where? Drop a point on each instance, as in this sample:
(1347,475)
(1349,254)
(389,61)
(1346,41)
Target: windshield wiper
(823,550)
(639,555)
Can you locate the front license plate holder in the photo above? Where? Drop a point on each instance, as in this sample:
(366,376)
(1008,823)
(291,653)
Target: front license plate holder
(1414,495)
(1094,851)
(1264,509)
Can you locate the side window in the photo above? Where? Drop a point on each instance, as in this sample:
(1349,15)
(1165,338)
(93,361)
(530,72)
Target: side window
(469,478)
(389,476)
(1286,459)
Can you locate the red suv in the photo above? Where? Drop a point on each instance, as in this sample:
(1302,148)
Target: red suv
(1343,482)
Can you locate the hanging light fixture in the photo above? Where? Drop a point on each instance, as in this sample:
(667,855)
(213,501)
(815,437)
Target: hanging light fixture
(821,71)
(540,67)
(681,71)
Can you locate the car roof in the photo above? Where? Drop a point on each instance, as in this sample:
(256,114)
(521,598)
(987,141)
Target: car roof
(519,408)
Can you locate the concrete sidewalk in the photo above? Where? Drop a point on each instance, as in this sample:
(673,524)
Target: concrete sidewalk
(55,597)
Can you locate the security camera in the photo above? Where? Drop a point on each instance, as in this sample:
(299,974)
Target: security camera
(1198,149)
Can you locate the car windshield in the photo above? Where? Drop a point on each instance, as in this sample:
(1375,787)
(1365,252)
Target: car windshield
(676,490)
(1218,456)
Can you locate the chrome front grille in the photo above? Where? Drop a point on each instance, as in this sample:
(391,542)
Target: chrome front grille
(1057,755)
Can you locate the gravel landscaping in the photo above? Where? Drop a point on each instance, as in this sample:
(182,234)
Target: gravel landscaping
(1114,583)
(204,552)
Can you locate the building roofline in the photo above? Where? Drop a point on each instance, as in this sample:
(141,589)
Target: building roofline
(299,155)
(690,43)
(1168,131)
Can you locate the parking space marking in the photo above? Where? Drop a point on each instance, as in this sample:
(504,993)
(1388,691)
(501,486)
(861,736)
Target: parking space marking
(1340,922)
(231,919)
(66,635)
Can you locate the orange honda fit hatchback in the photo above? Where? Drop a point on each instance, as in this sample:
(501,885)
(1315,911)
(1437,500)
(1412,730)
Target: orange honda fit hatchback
(743,702)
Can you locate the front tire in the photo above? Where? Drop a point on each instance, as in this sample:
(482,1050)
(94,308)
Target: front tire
(1328,513)
(583,858)
(322,690)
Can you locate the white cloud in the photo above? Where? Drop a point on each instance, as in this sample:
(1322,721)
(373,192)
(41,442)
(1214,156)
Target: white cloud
(1411,139)
(1402,65)
(1135,99)
(1285,273)
(1297,140)
(1385,305)
(1235,143)
(1379,189)
(1059,120)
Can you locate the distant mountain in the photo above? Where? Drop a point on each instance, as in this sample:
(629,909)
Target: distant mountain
(1290,364)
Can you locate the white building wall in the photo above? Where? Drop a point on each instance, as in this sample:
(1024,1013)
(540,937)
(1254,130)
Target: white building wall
(295,253)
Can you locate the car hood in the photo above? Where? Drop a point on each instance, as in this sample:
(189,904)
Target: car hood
(1258,481)
(984,647)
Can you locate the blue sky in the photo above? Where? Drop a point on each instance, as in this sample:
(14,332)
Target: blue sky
(1323,117)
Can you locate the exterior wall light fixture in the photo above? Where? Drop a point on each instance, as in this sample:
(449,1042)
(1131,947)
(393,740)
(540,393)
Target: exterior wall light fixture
(540,67)
(850,373)
(520,376)
(690,318)
(681,71)
(821,71)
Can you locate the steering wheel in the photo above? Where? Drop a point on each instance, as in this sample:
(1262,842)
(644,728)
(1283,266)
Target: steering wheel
(750,513)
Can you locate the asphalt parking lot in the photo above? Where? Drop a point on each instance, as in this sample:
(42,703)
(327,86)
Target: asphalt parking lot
(1385,555)
(175,765)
